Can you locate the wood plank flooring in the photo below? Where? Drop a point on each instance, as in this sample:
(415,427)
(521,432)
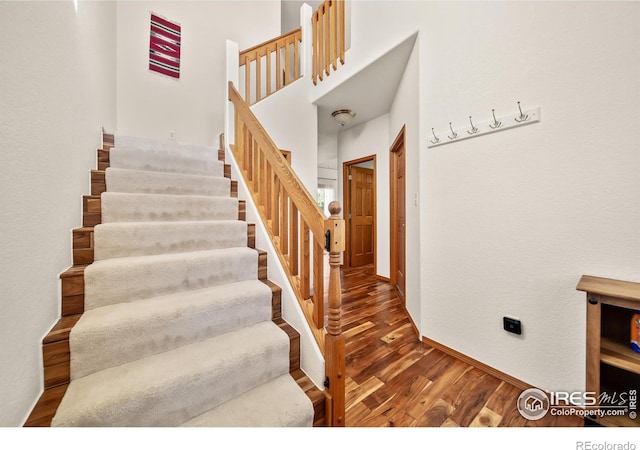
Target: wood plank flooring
(395,380)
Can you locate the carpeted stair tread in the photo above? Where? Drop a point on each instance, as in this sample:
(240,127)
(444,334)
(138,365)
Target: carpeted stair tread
(125,207)
(278,403)
(119,280)
(170,388)
(147,182)
(121,239)
(117,334)
(176,161)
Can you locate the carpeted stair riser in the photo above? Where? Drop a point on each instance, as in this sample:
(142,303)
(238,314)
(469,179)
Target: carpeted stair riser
(145,182)
(159,161)
(116,240)
(117,334)
(123,207)
(120,280)
(263,406)
(170,388)
(162,145)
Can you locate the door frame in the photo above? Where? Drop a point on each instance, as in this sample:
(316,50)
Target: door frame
(398,143)
(346,201)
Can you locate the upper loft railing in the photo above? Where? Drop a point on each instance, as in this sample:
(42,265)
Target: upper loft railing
(300,234)
(328,30)
(270,66)
(274,64)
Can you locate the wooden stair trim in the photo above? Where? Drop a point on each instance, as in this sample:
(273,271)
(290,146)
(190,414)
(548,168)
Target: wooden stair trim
(316,396)
(82,241)
(98,182)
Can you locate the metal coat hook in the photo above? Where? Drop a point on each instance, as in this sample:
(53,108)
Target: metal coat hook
(454,134)
(437,139)
(495,123)
(473,130)
(522,117)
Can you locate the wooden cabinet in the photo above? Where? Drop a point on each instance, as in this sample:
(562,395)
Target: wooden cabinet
(612,368)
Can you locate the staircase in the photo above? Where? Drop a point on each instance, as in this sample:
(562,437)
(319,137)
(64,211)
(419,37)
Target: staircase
(168,318)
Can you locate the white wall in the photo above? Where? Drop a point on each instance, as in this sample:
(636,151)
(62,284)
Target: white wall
(511,220)
(404,112)
(290,119)
(371,138)
(151,105)
(57,88)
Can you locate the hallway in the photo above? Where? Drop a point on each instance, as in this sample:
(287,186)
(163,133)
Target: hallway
(394,380)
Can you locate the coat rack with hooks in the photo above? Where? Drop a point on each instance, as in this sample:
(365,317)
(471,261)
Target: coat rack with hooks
(472,129)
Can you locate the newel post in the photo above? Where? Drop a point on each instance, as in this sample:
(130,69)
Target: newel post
(334,341)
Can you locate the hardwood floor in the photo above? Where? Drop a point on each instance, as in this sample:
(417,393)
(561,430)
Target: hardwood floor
(395,380)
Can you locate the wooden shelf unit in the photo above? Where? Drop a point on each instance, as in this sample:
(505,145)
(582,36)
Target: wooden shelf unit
(611,365)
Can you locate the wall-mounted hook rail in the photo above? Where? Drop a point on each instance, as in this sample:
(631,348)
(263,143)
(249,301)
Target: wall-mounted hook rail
(492,125)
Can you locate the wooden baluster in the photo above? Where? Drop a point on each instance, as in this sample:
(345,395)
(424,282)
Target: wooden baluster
(247,80)
(275,205)
(269,52)
(250,151)
(305,263)
(342,31)
(284,221)
(327,39)
(247,152)
(256,166)
(287,62)
(259,178)
(334,341)
(293,239)
(278,65)
(296,58)
(269,195)
(314,40)
(321,42)
(318,284)
(264,183)
(334,34)
(258,77)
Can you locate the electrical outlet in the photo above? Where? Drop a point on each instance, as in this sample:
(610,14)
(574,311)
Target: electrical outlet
(172,135)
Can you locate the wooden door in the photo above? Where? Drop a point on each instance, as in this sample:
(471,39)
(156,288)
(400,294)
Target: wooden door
(362,216)
(398,214)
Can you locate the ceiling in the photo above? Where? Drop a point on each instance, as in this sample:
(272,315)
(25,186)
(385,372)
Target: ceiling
(369,93)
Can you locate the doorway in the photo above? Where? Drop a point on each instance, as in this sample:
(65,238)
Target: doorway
(398,239)
(359,191)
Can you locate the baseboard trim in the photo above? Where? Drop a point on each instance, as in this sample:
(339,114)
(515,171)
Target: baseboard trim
(383,279)
(477,364)
(413,324)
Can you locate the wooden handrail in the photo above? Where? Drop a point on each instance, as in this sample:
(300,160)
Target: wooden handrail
(300,234)
(272,64)
(328,30)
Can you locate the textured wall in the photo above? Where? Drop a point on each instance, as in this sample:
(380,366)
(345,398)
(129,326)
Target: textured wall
(57,88)
(511,220)
(152,105)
